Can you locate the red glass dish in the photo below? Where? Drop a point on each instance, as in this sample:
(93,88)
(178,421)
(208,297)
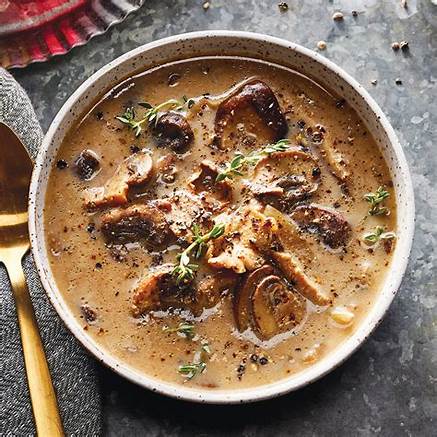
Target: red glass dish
(36,30)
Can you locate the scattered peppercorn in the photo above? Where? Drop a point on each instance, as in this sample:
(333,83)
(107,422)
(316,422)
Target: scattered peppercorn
(398,81)
(340,103)
(321,45)
(395,46)
(338,16)
(263,361)
(240,371)
(373,81)
(354,14)
(254,358)
(99,266)
(99,115)
(404,46)
(61,164)
(316,172)
(91,227)
(283,7)
(89,314)
(134,149)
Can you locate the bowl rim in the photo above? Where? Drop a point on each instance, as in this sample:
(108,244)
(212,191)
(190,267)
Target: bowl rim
(230,396)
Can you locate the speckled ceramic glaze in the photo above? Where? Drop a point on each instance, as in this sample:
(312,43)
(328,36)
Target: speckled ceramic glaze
(227,43)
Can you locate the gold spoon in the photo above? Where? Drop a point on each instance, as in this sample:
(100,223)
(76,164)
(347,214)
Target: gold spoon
(15,174)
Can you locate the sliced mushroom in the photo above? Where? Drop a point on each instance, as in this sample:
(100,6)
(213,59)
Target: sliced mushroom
(276,307)
(259,97)
(246,234)
(294,273)
(173,131)
(87,165)
(284,178)
(331,226)
(136,223)
(134,171)
(204,184)
(267,304)
(243,297)
(290,235)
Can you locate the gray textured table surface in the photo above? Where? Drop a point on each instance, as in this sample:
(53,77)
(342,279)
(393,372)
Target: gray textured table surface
(389,386)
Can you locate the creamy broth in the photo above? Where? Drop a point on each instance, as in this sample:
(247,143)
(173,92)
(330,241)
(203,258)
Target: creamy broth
(99,276)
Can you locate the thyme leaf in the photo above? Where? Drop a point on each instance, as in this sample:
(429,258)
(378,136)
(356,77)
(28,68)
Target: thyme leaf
(240,161)
(183,328)
(378,234)
(190,370)
(152,112)
(184,270)
(205,348)
(375,199)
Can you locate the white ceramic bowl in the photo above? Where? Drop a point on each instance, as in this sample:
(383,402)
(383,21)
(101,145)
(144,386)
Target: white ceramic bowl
(228,43)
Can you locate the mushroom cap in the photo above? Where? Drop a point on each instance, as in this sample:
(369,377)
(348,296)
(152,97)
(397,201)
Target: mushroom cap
(267,304)
(172,130)
(136,223)
(258,97)
(87,165)
(276,307)
(331,226)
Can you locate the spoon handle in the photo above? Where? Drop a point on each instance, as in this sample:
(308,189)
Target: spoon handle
(42,393)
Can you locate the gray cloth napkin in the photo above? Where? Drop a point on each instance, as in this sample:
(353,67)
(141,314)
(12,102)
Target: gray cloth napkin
(73,372)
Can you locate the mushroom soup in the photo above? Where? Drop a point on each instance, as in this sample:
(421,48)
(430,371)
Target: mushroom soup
(220,222)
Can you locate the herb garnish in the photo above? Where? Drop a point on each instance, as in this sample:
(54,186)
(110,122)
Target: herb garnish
(151,115)
(183,328)
(190,370)
(375,199)
(379,234)
(240,161)
(184,269)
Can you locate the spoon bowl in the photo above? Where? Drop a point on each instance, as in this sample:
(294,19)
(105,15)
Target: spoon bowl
(15,173)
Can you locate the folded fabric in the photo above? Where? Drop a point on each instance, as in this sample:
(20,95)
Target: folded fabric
(73,371)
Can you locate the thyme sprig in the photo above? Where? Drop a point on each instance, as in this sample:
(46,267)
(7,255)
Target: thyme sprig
(184,270)
(378,234)
(183,328)
(375,199)
(240,161)
(198,366)
(152,112)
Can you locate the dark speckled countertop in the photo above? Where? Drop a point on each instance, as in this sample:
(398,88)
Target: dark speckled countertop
(389,387)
